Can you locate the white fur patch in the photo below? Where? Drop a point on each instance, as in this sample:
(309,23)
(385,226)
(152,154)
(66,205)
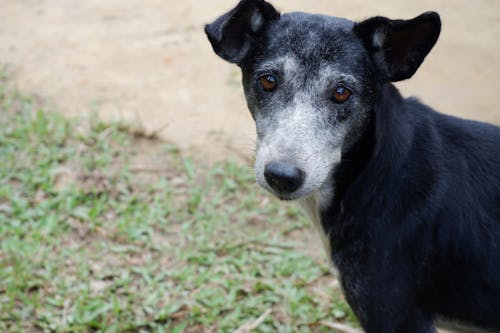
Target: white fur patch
(256,22)
(290,66)
(288,63)
(378,38)
(456,326)
(311,205)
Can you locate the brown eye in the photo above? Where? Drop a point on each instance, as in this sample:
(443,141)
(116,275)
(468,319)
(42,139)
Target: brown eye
(341,94)
(268,82)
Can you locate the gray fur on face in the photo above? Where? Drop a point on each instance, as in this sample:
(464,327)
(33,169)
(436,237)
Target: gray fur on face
(299,122)
(298,131)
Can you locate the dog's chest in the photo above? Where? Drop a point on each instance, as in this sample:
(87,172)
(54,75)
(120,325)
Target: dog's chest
(311,205)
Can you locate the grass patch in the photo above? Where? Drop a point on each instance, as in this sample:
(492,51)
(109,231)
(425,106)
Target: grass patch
(102,230)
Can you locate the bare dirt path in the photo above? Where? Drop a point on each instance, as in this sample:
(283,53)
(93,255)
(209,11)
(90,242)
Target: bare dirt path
(148,61)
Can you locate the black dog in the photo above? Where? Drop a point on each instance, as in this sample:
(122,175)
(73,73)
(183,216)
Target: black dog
(407,200)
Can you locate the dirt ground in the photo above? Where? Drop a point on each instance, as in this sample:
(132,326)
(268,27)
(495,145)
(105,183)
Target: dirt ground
(148,61)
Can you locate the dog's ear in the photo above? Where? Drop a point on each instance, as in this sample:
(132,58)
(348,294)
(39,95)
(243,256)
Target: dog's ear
(233,34)
(398,47)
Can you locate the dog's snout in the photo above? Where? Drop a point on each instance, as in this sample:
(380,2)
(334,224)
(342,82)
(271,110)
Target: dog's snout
(283,177)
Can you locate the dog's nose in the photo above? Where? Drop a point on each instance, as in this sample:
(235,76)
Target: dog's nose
(283,177)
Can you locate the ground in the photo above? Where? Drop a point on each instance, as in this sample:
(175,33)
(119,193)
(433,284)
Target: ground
(148,61)
(84,186)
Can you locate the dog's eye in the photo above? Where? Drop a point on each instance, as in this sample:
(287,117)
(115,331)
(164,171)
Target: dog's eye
(268,82)
(341,93)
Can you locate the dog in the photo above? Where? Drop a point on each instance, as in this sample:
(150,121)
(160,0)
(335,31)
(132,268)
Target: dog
(406,199)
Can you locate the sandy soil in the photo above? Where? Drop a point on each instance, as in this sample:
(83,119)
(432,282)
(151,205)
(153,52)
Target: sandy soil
(148,61)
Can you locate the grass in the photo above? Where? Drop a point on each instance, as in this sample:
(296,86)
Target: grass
(104,231)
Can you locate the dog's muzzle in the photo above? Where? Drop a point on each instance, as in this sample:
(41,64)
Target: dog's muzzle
(284,177)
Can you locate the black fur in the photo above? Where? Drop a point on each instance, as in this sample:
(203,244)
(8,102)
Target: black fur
(414,222)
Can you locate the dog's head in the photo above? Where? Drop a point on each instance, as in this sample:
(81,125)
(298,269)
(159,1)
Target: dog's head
(311,82)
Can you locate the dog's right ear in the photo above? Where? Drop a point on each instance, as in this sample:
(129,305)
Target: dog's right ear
(233,34)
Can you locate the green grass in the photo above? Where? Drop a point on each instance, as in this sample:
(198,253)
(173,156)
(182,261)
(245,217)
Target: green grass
(103,231)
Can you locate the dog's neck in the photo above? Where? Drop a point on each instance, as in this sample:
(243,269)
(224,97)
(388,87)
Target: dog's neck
(381,132)
(327,203)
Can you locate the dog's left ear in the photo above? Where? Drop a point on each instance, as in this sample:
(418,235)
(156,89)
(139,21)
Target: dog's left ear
(398,47)
(234,34)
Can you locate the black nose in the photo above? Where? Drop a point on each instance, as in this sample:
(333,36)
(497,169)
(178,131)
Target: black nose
(283,177)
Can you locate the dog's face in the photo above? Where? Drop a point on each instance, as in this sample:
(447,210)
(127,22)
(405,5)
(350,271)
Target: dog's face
(309,92)
(311,82)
